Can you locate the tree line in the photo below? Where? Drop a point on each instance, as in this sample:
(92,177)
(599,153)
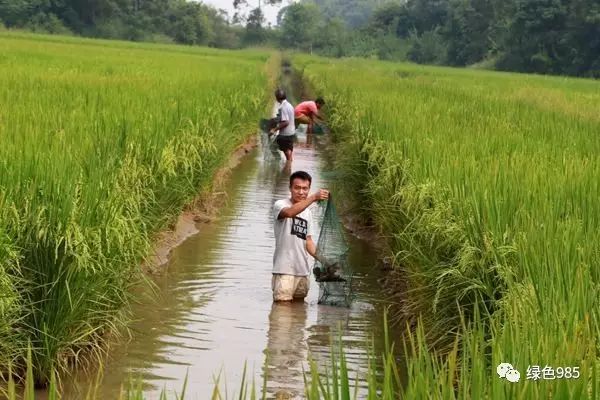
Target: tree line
(171,21)
(541,36)
(538,36)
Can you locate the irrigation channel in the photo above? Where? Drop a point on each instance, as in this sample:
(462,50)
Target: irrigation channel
(213,308)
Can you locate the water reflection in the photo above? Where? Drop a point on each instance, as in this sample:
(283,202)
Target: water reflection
(301,331)
(309,140)
(286,350)
(287,168)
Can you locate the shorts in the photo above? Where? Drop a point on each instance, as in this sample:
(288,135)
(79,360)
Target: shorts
(289,287)
(302,119)
(285,142)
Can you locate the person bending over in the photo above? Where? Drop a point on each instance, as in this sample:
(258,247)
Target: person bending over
(308,112)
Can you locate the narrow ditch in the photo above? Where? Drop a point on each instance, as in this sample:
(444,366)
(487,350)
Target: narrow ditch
(212,311)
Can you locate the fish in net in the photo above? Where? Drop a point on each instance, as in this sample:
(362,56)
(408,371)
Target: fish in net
(269,145)
(332,270)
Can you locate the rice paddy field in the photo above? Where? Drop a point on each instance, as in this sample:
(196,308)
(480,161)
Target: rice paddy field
(102,143)
(486,188)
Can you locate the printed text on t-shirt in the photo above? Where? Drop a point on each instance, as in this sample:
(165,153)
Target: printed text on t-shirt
(299,227)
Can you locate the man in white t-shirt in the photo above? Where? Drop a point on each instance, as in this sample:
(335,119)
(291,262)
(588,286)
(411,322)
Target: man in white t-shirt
(294,243)
(286,125)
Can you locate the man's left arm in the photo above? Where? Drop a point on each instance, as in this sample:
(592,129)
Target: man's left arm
(311,247)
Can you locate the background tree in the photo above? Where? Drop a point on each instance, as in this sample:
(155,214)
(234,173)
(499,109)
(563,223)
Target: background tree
(427,15)
(354,13)
(537,40)
(466,31)
(393,19)
(255,33)
(299,26)
(583,36)
(331,38)
(542,36)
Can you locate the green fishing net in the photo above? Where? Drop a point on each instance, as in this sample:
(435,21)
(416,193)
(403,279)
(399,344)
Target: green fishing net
(267,124)
(332,270)
(320,129)
(270,149)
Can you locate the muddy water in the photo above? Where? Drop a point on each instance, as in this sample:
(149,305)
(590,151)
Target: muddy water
(213,310)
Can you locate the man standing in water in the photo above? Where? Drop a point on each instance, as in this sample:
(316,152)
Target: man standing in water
(293,239)
(285,125)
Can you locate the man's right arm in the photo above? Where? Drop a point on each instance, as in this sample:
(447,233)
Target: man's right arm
(280,126)
(297,208)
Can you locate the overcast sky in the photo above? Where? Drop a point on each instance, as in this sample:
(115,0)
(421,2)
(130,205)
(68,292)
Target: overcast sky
(227,5)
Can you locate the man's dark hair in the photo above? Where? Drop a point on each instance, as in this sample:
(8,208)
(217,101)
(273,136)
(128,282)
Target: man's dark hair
(320,101)
(300,175)
(280,94)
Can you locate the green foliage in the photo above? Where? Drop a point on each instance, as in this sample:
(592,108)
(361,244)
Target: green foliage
(299,27)
(333,383)
(392,18)
(544,36)
(184,22)
(255,32)
(227,37)
(467,31)
(332,38)
(107,142)
(191,24)
(391,47)
(535,41)
(354,13)
(47,23)
(427,15)
(428,48)
(552,36)
(484,185)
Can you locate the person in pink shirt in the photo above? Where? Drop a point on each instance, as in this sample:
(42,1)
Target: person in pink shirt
(307,111)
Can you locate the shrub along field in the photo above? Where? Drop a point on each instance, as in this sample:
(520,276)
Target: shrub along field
(101,145)
(486,186)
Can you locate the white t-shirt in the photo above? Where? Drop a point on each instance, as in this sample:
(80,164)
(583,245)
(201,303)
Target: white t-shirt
(291,257)
(287,114)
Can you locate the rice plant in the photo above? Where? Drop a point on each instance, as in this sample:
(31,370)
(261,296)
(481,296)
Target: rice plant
(102,145)
(485,187)
(332,383)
